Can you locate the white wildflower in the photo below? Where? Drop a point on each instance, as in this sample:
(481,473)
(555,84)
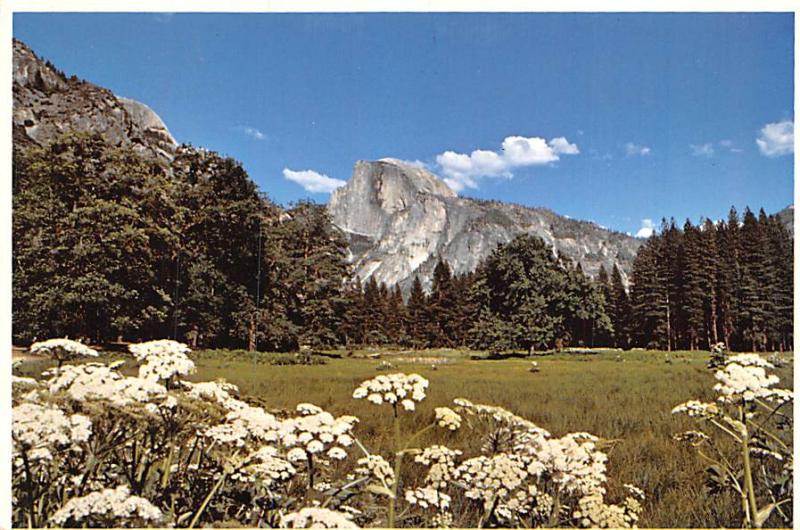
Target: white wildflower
(428,498)
(376,466)
(693,438)
(62,349)
(447,418)
(748,359)
(317,430)
(441,461)
(573,462)
(108,505)
(23,381)
(40,428)
(337,453)
(694,408)
(743,381)
(296,455)
(96,381)
(489,478)
(393,388)
(317,518)
(162,359)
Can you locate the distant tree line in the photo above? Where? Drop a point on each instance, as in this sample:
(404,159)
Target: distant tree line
(730,282)
(109,246)
(523,296)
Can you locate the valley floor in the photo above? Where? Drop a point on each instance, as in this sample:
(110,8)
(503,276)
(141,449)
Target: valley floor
(622,396)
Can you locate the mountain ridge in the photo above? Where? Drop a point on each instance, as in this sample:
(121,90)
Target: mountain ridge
(48,103)
(401,218)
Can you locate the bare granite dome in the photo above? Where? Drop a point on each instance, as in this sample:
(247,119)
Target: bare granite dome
(400,218)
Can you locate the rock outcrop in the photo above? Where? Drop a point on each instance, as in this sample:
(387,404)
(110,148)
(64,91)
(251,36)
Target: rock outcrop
(786,217)
(400,218)
(47,103)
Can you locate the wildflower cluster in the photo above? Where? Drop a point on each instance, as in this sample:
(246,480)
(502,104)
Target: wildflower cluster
(441,463)
(93,447)
(62,349)
(97,381)
(748,410)
(162,359)
(317,432)
(40,430)
(317,518)
(393,389)
(109,506)
(375,466)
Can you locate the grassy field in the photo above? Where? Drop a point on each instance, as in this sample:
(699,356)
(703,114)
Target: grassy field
(623,396)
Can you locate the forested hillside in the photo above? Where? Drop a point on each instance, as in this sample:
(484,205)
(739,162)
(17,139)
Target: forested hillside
(111,246)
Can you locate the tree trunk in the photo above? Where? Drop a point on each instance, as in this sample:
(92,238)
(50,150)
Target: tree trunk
(251,334)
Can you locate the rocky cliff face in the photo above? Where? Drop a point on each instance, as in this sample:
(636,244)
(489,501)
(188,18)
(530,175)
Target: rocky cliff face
(400,218)
(47,104)
(786,217)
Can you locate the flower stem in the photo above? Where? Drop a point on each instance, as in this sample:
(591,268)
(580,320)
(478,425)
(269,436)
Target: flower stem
(748,474)
(398,457)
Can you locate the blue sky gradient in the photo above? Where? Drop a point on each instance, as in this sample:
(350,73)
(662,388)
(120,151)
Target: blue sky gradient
(664,109)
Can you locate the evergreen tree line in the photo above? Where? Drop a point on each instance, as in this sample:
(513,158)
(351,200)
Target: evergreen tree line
(730,282)
(522,297)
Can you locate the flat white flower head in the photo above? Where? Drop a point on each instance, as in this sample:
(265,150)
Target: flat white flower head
(745,381)
(108,505)
(404,389)
(62,349)
(447,418)
(162,359)
(317,518)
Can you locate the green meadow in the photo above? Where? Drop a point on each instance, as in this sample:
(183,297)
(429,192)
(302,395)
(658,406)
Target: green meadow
(623,397)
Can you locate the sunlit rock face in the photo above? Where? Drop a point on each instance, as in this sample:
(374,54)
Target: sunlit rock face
(47,104)
(400,218)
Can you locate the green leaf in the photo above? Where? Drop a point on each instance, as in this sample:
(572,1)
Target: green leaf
(380,490)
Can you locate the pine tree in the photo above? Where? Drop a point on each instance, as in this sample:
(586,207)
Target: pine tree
(752,295)
(604,285)
(780,283)
(728,277)
(440,307)
(619,310)
(417,315)
(649,296)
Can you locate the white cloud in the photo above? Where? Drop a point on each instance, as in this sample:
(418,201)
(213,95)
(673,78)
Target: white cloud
(631,149)
(463,171)
(776,139)
(313,181)
(728,144)
(254,133)
(706,149)
(647,228)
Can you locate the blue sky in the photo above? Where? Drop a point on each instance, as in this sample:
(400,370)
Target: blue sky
(614,118)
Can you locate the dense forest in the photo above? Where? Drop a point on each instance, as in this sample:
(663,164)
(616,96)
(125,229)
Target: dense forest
(111,247)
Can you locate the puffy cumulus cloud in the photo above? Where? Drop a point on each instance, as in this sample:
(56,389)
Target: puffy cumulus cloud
(647,228)
(463,171)
(631,149)
(706,149)
(776,139)
(313,181)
